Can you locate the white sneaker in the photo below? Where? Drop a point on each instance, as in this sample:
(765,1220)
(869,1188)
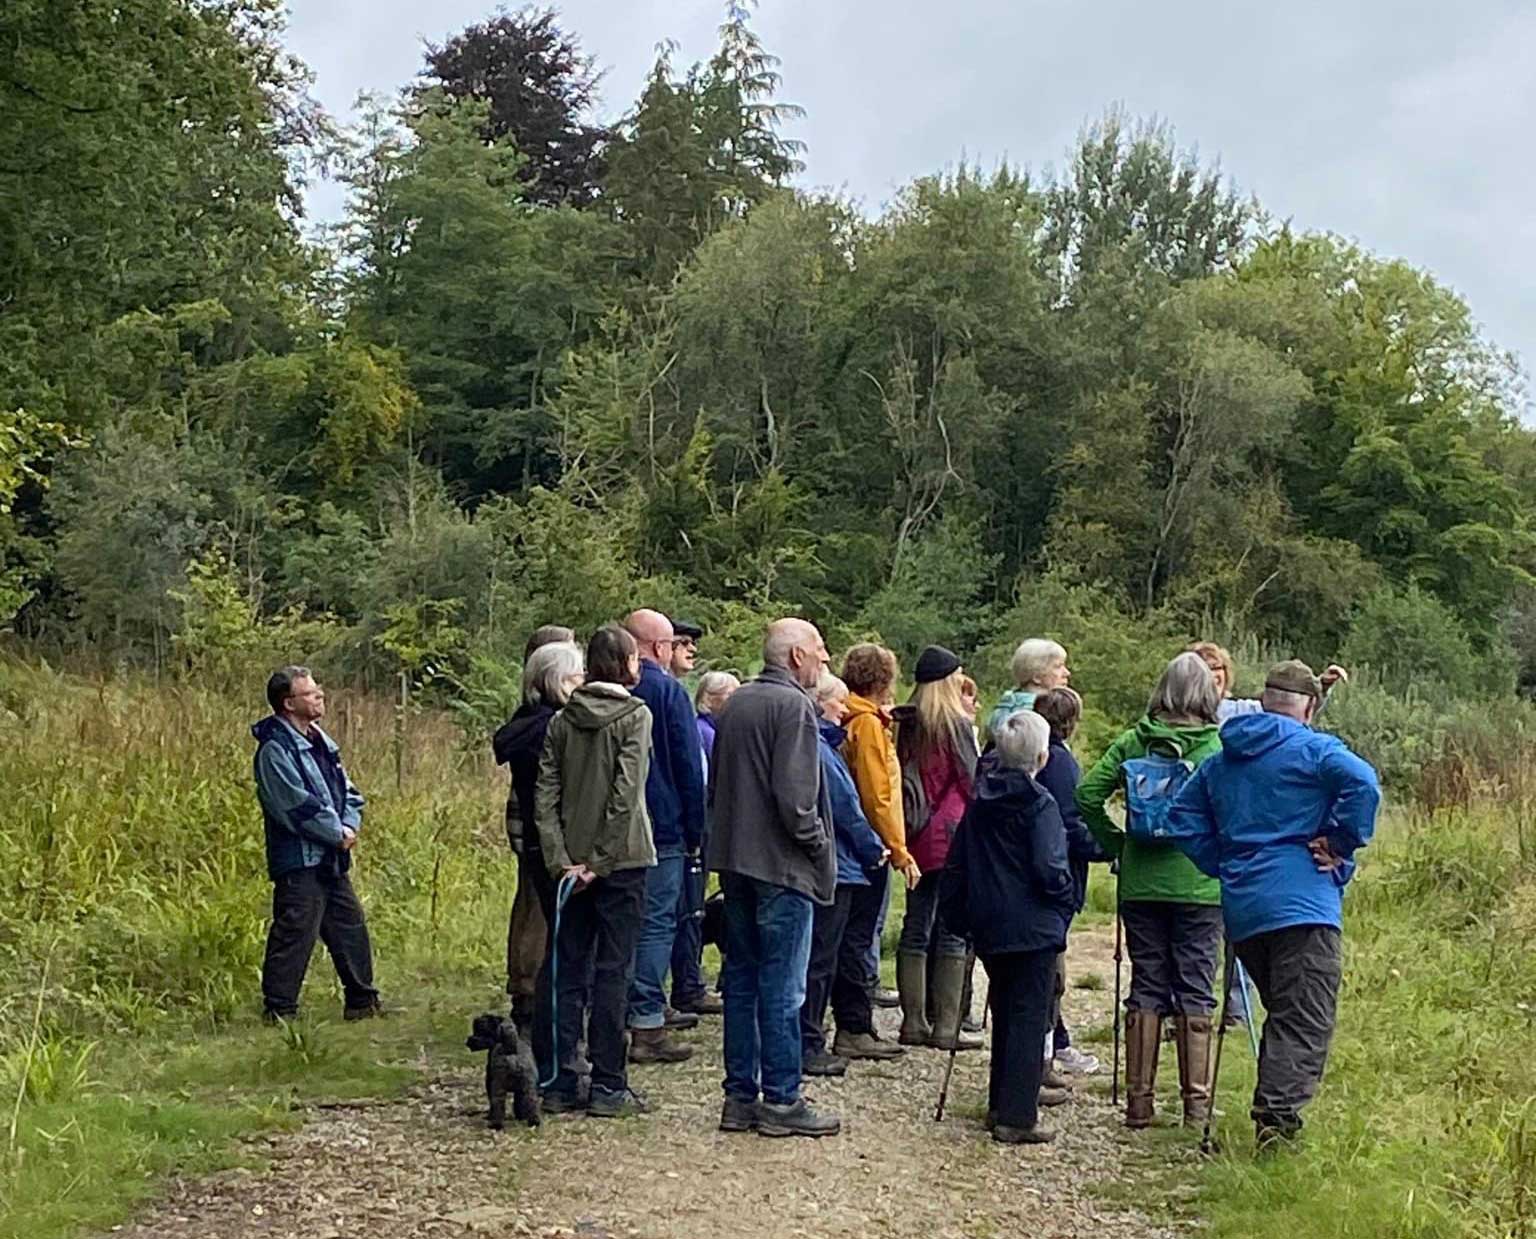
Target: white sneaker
(1073,1061)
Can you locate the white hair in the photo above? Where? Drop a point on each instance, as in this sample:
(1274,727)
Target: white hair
(1034,658)
(547,669)
(712,686)
(1023,741)
(828,687)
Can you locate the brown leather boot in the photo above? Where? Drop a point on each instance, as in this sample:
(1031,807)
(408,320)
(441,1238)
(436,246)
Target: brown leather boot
(912,985)
(1193,1038)
(1142,1033)
(653,1045)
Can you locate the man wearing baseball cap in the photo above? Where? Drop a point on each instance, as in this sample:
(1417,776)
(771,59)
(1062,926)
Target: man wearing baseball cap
(1278,815)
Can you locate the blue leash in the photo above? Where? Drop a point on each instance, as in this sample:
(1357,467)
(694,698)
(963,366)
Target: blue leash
(562,895)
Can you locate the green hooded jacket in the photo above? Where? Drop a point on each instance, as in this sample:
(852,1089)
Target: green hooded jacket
(589,803)
(1148,871)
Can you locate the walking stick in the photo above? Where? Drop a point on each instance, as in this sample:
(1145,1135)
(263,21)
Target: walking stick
(1207,1146)
(1253,1032)
(1114,1085)
(949,1067)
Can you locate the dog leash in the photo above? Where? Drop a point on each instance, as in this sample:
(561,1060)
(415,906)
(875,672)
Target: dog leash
(562,895)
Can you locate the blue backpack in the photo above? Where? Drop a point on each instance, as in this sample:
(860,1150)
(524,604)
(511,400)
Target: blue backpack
(1152,783)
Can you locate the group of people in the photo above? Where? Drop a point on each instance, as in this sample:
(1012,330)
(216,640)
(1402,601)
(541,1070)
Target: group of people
(808,793)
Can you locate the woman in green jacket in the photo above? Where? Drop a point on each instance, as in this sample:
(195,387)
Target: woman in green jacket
(1171,911)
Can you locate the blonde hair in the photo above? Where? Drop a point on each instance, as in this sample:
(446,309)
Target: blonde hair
(938,714)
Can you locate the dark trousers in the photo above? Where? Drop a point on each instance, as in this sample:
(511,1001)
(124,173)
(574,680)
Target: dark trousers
(532,870)
(1297,972)
(923,928)
(829,927)
(527,937)
(854,980)
(1173,949)
(599,927)
(688,946)
(1020,986)
(308,904)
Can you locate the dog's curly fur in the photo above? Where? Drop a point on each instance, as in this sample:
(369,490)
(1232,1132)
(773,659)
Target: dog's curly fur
(509,1069)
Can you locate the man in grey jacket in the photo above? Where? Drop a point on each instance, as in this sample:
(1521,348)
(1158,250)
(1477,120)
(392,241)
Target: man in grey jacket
(772,846)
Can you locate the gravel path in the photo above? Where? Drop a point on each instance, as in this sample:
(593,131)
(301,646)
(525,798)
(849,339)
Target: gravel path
(426,1166)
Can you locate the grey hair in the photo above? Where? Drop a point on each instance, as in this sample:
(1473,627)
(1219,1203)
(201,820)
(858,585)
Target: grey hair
(713,684)
(783,638)
(1186,689)
(280,685)
(1034,658)
(1283,701)
(1023,741)
(828,687)
(545,673)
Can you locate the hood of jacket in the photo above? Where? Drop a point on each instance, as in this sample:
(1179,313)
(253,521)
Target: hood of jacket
(998,781)
(1247,736)
(832,733)
(272,727)
(1153,733)
(522,733)
(1011,702)
(863,705)
(595,706)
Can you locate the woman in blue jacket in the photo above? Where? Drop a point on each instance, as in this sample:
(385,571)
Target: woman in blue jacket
(1008,887)
(837,966)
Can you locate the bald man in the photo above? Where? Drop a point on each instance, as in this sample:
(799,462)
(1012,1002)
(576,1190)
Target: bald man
(674,796)
(772,845)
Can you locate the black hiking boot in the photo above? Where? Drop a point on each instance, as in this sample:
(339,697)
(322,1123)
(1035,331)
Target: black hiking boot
(738,1115)
(824,1064)
(1004,1134)
(617,1103)
(795,1119)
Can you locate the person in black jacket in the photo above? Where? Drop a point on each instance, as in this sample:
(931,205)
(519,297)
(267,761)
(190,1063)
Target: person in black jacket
(1061,708)
(1007,885)
(551,673)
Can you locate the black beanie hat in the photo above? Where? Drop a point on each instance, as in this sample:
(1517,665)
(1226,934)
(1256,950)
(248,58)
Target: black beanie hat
(935,663)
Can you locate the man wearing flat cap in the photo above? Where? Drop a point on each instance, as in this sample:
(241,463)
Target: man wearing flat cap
(1278,815)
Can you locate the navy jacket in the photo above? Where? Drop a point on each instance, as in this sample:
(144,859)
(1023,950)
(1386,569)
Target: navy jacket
(674,789)
(1250,811)
(518,745)
(305,796)
(1007,885)
(858,846)
(1060,777)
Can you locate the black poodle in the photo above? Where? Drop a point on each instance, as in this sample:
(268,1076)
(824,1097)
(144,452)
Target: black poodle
(508,1069)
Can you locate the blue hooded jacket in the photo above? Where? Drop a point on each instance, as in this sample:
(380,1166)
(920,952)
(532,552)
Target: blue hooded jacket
(858,846)
(674,788)
(1250,811)
(306,798)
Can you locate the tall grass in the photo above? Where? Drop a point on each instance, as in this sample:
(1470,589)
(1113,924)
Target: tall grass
(1425,1125)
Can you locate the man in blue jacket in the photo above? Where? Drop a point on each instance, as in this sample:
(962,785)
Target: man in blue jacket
(674,797)
(1278,816)
(312,814)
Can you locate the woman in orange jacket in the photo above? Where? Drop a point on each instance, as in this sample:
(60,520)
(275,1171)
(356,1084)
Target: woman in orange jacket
(870,673)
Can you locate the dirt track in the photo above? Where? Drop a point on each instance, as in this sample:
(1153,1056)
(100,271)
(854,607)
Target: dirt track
(426,1166)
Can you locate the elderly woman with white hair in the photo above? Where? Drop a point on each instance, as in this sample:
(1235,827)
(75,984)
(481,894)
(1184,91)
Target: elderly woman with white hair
(1038,666)
(1009,887)
(1171,911)
(551,673)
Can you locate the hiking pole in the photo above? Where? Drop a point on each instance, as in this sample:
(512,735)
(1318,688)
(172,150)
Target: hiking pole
(1114,1016)
(1206,1145)
(1253,1032)
(949,1067)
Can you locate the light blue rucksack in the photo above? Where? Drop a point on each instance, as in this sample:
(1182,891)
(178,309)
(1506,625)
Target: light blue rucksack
(1152,783)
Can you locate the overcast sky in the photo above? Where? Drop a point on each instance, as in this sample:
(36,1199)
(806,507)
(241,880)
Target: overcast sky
(1407,126)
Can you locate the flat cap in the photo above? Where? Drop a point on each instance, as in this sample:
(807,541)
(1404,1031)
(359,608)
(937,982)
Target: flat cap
(1294,676)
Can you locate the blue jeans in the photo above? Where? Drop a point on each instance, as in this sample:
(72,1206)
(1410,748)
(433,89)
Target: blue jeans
(653,954)
(883,880)
(767,950)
